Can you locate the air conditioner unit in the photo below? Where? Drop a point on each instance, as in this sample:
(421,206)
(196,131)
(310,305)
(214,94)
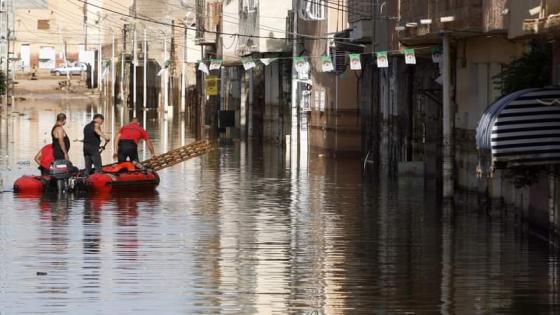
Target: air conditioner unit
(339,59)
(312,10)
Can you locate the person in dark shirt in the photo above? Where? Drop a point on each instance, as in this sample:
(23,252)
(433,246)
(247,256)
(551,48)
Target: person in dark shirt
(126,143)
(60,140)
(92,143)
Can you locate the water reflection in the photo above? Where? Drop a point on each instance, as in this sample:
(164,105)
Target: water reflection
(244,231)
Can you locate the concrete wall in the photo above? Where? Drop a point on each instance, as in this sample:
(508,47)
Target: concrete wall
(273,16)
(65,22)
(230,23)
(479,59)
(169,12)
(334,120)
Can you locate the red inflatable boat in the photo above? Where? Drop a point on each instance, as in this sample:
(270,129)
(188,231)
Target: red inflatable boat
(125,176)
(120,176)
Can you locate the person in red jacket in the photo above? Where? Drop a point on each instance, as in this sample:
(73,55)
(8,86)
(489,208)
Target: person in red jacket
(126,143)
(44,159)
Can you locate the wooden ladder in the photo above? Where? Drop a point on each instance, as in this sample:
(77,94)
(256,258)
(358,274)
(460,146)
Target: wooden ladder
(179,155)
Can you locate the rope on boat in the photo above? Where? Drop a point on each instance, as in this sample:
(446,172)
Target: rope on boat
(179,155)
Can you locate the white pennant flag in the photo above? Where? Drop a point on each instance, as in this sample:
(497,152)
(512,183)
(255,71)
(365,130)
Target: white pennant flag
(302,67)
(162,72)
(382,60)
(409,56)
(326,64)
(267,61)
(248,63)
(202,67)
(355,62)
(216,64)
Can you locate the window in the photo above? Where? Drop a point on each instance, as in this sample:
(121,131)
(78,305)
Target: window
(250,5)
(320,99)
(43,24)
(316,9)
(313,10)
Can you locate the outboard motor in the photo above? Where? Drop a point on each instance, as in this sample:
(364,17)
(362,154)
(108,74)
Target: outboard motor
(62,171)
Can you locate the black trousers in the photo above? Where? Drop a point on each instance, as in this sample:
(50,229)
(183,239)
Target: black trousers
(128,149)
(92,157)
(44,171)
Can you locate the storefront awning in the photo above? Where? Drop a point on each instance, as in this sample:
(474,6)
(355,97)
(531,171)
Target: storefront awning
(522,128)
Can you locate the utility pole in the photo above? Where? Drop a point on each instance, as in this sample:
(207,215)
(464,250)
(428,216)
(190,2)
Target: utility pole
(85,25)
(295,130)
(135,69)
(99,61)
(145,85)
(7,76)
(375,87)
(172,59)
(166,78)
(184,72)
(448,121)
(113,72)
(123,60)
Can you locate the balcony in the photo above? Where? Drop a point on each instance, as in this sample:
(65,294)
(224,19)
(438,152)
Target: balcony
(422,21)
(208,19)
(540,18)
(261,22)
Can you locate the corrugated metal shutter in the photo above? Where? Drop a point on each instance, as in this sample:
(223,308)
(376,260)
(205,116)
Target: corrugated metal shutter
(523,129)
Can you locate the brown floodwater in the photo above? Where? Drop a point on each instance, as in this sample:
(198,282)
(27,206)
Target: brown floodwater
(244,231)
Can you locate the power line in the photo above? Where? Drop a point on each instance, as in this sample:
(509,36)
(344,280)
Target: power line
(205,31)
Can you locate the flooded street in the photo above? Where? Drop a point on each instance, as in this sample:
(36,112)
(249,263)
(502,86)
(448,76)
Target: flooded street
(243,231)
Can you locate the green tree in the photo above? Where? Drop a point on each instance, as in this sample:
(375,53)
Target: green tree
(531,70)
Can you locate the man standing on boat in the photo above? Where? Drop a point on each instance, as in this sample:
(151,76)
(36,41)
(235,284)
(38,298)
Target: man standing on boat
(92,143)
(60,140)
(126,143)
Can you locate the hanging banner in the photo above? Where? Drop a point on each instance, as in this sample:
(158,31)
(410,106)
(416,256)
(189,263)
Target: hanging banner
(409,56)
(382,60)
(436,54)
(212,85)
(216,64)
(355,62)
(203,67)
(302,67)
(248,63)
(162,72)
(267,61)
(327,64)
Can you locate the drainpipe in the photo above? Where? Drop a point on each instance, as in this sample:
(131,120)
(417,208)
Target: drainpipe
(448,123)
